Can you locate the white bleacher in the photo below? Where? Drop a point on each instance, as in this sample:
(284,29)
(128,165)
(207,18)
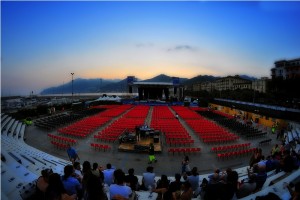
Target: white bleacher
(272,177)
(41,159)
(3,118)
(5,122)
(17,130)
(277,188)
(8,126)
(10,183)
(21,133)
(13,128)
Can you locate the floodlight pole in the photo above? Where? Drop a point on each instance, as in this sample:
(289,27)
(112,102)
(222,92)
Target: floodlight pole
(72,85)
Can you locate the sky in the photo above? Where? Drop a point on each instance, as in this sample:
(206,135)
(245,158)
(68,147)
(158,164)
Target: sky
(42,43)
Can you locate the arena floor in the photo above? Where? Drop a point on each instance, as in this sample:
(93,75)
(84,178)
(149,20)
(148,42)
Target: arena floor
(167,164)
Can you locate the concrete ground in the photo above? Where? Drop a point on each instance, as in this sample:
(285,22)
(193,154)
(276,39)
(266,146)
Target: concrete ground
(168,164)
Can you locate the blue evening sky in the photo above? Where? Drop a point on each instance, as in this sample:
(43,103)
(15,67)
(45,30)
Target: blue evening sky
(43,42)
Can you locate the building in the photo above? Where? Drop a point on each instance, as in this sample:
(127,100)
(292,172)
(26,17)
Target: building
(260,85)
(286,69)
(232,83)
(207,85)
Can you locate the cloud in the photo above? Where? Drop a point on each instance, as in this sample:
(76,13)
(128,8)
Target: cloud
(182,48)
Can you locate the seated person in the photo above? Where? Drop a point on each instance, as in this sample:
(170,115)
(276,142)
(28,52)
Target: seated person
(42,183)
(186,192)
(71,184)
(247,187)
(108,174)
(215,177)
(119,190)
(132,180)
(261,178)
(162,187)
(174,187)
(194,180)
(148,179)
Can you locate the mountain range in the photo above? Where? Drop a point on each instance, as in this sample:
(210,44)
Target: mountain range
(116,85)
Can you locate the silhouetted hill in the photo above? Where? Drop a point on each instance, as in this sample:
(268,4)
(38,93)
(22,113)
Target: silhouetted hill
(109,85)
(251,78)
(163,78)
(199,79)
(81,86)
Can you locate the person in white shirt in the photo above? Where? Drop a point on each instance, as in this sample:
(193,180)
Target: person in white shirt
(148,179)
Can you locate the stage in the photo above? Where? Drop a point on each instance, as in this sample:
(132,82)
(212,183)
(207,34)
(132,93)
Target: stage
(141,146)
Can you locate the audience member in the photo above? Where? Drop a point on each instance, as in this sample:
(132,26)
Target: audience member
(97,171)
(255,158)
(223,190)
(56,190)
(118,190)
(42,183)
(287,163)
(132,180)
(174,187)
(215,177)
(148,179)
(194,180)
(108,174)
(71,184)
(162,187)
(186,192)
(247,187)
(77,171)
(94,189)
(260,178)
(87,173)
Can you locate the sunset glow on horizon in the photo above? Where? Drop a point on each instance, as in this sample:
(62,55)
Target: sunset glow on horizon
(43,42)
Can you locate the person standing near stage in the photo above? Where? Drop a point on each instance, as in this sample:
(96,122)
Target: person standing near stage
(151,154)
(72,154)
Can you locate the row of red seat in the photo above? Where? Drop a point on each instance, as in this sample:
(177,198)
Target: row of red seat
(114,110)
(126,122)
(186,113)
(236,153)
(230,147)
(62,139)
(184,150)
(164,120)
(139,111)
(59,145)
(210,132)
(98,146)
(162,112)
(180,142)
(84,127)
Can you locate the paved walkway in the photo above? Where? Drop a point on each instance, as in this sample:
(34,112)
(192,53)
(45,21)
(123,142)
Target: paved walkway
(168,164)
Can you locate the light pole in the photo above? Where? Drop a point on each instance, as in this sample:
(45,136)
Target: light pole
(72,85)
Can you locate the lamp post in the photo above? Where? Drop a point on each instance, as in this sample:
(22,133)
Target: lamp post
(72,85)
